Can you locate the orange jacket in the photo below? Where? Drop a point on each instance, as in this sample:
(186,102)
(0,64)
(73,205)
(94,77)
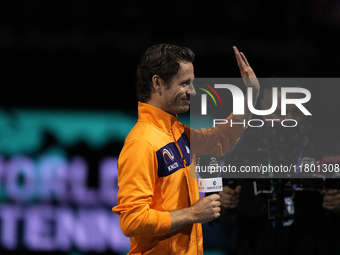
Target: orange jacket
(154,178)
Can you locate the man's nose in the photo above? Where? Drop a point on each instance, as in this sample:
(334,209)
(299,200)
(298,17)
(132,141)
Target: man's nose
(192,91)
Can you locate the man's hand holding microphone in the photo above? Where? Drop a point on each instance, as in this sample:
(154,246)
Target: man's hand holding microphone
(210,183)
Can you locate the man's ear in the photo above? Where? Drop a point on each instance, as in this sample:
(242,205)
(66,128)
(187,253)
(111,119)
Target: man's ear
(157,83)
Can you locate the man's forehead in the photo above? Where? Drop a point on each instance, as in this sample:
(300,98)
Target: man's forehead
(185,71)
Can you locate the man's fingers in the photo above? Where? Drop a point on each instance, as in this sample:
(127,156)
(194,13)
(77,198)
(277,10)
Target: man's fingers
(327,199)
(244,58)
(238,189)
(231,203)
(331,193)
(240,58)
(231,192)
(215,197)
(217,204)
(228,191)
(240,61)
(331,207)
(236,50)
(230,197)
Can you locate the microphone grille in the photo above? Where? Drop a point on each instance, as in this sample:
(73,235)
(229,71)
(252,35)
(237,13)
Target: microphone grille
(208,166)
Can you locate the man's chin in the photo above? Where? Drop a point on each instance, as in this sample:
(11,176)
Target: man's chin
(185,109)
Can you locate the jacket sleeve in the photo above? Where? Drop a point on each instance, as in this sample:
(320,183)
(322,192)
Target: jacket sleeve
(218,140)
(137,166)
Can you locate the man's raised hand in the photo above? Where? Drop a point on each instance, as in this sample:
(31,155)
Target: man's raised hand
(250,80)
(247,73)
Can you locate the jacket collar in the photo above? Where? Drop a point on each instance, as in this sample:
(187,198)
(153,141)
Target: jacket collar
(156,116)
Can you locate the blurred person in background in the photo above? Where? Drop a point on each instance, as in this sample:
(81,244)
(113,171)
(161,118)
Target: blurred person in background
(310,219)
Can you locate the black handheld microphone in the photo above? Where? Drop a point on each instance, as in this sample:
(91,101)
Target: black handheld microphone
(209,169)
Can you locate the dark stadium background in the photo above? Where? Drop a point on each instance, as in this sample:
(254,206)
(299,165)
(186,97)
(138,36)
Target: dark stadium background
(81,56)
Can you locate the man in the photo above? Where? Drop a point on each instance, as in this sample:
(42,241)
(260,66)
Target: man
(158,202)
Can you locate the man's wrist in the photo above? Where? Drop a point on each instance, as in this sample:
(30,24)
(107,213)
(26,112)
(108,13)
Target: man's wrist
(181,218)
(191,214)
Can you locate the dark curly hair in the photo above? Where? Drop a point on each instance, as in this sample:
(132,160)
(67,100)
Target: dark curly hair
(163,60)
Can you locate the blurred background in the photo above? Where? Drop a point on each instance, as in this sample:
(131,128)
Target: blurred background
(67,100)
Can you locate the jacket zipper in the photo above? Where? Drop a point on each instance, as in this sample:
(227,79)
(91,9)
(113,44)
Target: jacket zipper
(180,152)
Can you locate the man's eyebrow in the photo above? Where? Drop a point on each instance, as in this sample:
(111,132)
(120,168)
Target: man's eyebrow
(187,80)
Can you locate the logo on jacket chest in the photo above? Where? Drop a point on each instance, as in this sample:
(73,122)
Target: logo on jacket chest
(173,157)
(168,154)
